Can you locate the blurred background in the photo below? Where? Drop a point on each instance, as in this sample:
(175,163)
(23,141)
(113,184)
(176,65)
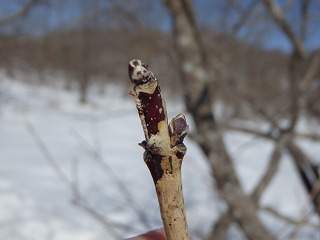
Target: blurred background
(246,73)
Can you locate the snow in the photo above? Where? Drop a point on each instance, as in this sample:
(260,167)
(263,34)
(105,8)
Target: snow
(36,204)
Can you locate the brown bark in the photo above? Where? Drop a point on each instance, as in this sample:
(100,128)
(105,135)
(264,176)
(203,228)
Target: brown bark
(208,134)
(221,227)
(271,170)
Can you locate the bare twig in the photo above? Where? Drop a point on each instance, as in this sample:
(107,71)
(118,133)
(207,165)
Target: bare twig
(82,202)
(271,170)
(309,136)
(277,14)
(304,18)
(288,219)
(98,158)
(268,135)
(244,15)
(221,227)
(304,219)
(195,75)
(254,132)
(23,11)
(116,6)
(259,109)
(164,148)
(308,173)
(311,71)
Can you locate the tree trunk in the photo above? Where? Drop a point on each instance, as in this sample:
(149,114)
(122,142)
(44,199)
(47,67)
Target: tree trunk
(198,100)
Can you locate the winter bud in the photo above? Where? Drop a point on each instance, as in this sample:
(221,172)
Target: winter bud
(178,129)
(139,73)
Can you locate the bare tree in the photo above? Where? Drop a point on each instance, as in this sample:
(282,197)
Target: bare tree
(193,67)
(192,64)
(296,71)
(272,87)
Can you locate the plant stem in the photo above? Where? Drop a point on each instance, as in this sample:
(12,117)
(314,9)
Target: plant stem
(164,148)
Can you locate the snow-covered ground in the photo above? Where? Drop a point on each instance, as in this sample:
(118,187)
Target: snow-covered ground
(95,147)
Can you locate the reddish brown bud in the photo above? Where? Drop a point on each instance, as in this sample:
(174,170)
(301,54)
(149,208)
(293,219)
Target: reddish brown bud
(178,129)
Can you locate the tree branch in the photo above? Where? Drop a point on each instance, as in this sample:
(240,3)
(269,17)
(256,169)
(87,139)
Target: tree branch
(229,127)
(271,170)
(195,77)
(309,136)
(311,71)
(304,18)
(308,173)
(244,15)
(164,148)
(80,200)
(221,227)
(96,156)
(277,14)
(288,219)
(23,11)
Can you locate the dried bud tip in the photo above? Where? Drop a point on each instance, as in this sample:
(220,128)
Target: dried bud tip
(139,72)
(143,144)
(132,93)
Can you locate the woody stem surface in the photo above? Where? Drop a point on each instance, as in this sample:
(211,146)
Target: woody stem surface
(164,148)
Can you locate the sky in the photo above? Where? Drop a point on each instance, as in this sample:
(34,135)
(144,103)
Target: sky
(210,14)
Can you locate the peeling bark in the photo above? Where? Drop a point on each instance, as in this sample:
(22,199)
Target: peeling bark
(164,148)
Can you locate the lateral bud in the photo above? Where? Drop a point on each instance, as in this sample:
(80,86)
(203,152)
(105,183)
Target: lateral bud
(178,129)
